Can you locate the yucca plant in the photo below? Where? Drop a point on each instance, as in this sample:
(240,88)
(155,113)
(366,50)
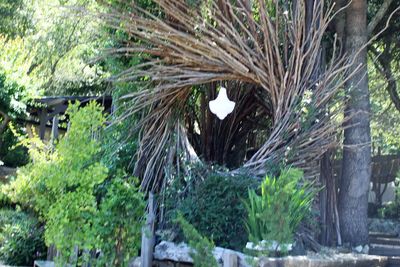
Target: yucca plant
(284,202)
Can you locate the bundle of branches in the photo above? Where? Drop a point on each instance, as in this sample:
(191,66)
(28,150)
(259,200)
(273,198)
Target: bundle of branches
(273,45)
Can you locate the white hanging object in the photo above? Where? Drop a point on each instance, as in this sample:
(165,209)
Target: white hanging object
(221,106)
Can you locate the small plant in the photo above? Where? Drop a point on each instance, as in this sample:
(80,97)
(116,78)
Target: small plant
(21,238)
(275,215)
(201,247)
(119,221)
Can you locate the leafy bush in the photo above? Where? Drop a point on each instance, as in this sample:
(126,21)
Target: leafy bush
(277,212)
(390,210)
(11,154)
(119,221)
(215,208)
(64,184)
(21,238)
(201,247)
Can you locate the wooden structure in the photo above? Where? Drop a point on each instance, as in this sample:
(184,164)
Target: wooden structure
(384,171)
(48,114)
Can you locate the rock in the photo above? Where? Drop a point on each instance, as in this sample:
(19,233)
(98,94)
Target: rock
(336,260)
(386,226)
(242,259)
(358,249)
(365,249)
(135,262)
(172,252)
(269,246)
(169,251)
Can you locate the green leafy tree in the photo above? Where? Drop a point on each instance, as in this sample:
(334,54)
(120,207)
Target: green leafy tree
(13,98)
(56,55)
(14,18)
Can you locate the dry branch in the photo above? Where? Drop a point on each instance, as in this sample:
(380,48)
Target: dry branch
(245,42)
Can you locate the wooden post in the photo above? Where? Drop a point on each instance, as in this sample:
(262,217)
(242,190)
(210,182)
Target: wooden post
(54,129)
(43,121)
(148,240)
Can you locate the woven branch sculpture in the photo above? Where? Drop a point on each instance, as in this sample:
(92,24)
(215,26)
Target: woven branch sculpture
(273,46)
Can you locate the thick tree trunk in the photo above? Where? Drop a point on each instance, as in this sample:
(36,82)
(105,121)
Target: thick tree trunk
(353,200)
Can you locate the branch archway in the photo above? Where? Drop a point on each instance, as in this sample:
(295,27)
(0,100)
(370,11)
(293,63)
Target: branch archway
(272,47)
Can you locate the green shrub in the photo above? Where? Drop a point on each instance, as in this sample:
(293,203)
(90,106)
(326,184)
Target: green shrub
(21,238)
(119,221)
(284,202)
(201,247)
(11,154)
(5,200)
(215,208)
(390,210)
(82,204)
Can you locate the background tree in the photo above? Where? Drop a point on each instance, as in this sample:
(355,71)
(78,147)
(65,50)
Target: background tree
(356,170)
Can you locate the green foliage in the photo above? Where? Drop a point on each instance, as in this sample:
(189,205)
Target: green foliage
(385,119)
(389,210)
(119,221)
(201,247)
(215,208)
(11,97)
(54,55)
(13,100)
(284,202)
(11,154)
(70,187)
(60,185)
(5,200)
(21,238)
(14,18)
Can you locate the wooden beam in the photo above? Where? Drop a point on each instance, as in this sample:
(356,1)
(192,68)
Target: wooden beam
(148,239)
(42,122)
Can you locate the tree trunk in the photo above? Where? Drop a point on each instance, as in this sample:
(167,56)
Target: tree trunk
(3,125)
(353,200)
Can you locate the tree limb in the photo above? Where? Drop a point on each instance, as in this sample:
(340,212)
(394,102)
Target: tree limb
(379,16)
(385,69)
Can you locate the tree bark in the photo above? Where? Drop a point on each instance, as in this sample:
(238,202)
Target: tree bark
(353,200)
(3,125)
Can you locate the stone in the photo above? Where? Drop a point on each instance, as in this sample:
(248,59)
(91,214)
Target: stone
(172,252)
(365,249)
(335,260)
(358,249)
(242,259)
(169,251)
(386,226)
(135,262)
(270,246)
